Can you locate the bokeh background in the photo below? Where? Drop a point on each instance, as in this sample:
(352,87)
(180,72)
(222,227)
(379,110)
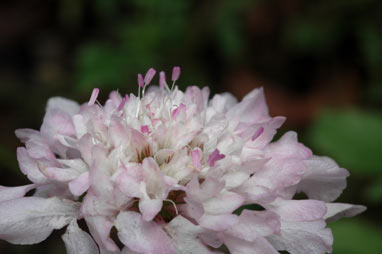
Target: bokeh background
(318,61)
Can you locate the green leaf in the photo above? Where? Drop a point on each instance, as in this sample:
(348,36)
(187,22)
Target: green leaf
(356,236)
(353,137)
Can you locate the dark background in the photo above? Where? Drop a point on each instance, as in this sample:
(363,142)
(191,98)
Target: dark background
(318,61)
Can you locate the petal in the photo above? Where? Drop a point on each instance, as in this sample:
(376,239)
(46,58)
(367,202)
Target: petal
(29,166)
(255,224)
(99,227)
(78,241)
(299,210)
(8,193)
(68,106)
(218,222)
(31,220)
(303,237)
(258,246)
(142,236)
(339,210)
(150,208)
(184,235)
(226,202)
(80,185)
(323,179)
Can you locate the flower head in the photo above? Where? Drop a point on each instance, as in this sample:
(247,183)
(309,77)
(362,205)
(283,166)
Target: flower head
(173,172)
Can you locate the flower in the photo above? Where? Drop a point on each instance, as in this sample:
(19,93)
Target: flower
(173,172)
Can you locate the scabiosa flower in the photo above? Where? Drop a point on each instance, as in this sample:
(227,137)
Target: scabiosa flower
(172,172)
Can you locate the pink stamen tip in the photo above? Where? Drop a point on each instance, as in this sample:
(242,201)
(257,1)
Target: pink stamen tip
(196,158)
(215,156)
(175,73)
(162,79)
(258,133)
(149,76)
(141,82)
(93,97)
(145,129)
(124,100)
(177,111)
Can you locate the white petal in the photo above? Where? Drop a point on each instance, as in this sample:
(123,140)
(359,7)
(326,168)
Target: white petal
(31,220)
(142,236)
(258,246)
(185,236)
(323,179)
(78,241)
(66,105)
(99,227)
(303,237)
(338,210)
(8,193)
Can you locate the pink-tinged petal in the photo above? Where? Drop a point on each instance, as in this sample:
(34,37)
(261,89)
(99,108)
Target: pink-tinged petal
(27,134)
(162,79)
(94,206)
(60,174)
(323,179)
(141,82)
(219,222)
(185,236)
(175,73)
(339,210)
(31,220)
(255,224)
(194,208)
(99,227)
(214,156)
(194,95)
(142,236)
(226,202)
(257,246)
(289,147)
(8,193)
(257,133)
(79,125)
(57,122)
(128,180)
(80,185)
(303,237)
(280,173)
(252,109)
(149,76)
(256,193)
(29,166)
(78,241)
(178,110)
(150,208)
(299,210)
(68,106)
(196,156)
(93,97)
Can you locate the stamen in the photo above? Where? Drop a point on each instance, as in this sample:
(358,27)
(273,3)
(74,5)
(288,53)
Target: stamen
(141,82)
(162,79)
(175,73)
(145,129)
(173,203)
(93,97)
(149,76)
(124,100)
